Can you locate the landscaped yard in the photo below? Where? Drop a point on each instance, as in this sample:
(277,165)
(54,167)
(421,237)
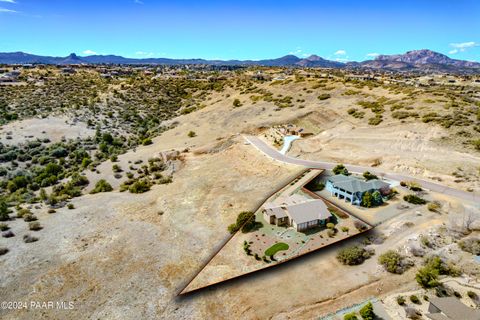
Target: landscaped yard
(281,246)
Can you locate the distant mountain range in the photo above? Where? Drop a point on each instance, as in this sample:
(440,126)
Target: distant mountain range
(417,60)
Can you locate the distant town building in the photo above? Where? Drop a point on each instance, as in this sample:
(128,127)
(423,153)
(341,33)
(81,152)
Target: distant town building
(296,211)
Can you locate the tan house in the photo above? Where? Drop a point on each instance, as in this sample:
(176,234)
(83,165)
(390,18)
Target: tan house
(296,211)
(450,308)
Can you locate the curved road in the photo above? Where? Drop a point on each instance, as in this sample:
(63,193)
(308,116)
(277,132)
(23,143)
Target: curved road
(274,154)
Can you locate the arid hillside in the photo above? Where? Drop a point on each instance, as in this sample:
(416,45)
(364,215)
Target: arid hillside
(128,184)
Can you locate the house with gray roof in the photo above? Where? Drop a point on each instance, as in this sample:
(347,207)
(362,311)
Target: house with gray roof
(352,189)
(296,211)
(450,308)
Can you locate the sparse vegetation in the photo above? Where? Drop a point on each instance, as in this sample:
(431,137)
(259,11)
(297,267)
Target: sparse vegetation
(140,186)
(369,176)
(427,276)
(414,299)
(237,103)
(34,226)
(394,262)
(341,169)
(242,219)
(434,206)
(353,255)
(367,312)
(471,245)
(102,186)
(401,300)
(350,316)
(324,96)
(411,198)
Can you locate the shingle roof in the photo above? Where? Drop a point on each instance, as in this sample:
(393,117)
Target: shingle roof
(308,211)
(454,309)
(352,184)
(300,209)
(278,212)
(437,316)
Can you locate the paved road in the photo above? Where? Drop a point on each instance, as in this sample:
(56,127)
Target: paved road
(274,154)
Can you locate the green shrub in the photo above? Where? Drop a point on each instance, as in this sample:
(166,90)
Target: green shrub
(102,186)
(140,186)
(78,180)
(476,144)
(404,114)
(472,295)
(29,217)
(375,120)
(369,176)
(245,221)
(367,200)
(147,142)
(237,103)
(427,276)
(433,206)
(4,227)
(353,255)
(350,316)
(367,312)
(324,96)
(191,134)
(411,198)
(393,262)
(414,299)
(340,169)
(34,226)
(70,206)
(316,186)
(4,211)
(401,300)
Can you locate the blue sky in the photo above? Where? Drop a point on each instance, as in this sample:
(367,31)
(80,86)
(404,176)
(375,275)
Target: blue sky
(338,30)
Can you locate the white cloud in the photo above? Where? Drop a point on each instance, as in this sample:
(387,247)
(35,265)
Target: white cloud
(373,55)
(9,1)
(297,51)
(138,1)
(89,52)
(144,54)
(3,10)
(346,59)
(340,53)
(462,46)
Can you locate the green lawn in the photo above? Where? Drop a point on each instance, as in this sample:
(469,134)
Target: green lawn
(275,248)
